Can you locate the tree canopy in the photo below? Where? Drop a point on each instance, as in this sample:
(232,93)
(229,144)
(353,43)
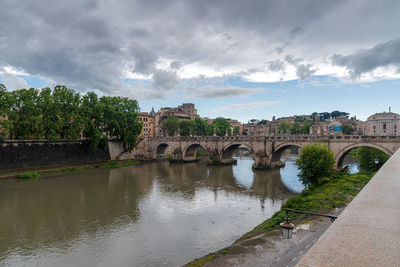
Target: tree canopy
(170,125)
(316,161)
(63,114)
(222,126)
(347,129)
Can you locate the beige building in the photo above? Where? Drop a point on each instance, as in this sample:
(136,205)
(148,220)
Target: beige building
(385,123)
(188,108)
(186,111)
(148,124)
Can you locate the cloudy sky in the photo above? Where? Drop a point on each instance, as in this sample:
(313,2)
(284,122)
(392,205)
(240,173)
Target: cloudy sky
(241,59)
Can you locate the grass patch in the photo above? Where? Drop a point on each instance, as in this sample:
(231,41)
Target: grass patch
(332,193)
(116,164)
(29,175)
(201,261)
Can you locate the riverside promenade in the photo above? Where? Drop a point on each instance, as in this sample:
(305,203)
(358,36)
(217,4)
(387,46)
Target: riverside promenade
(367,233)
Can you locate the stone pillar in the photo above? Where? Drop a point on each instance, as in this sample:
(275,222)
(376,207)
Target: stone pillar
(214,158)
(261,162)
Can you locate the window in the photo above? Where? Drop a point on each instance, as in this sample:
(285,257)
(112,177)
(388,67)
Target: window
(384,126)
(374,127)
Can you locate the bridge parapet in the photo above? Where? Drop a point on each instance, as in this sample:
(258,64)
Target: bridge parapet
(321,138)
(266,150)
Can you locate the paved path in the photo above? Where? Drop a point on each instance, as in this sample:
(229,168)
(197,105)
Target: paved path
(296,252)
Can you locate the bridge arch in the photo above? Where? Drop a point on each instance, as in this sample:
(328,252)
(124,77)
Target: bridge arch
(162,148)
(227,151)
(277,153)
(339,157)
(190,151)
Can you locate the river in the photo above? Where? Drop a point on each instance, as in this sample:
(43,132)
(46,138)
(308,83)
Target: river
(154,214)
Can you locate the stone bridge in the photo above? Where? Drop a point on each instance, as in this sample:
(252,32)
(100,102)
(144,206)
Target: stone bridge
(266,150)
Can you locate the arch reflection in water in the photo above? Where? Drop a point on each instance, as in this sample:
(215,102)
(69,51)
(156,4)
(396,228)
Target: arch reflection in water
(155,214)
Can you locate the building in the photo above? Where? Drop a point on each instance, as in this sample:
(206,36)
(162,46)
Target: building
(148,124)
(186,111)
(188,108)
(385,123)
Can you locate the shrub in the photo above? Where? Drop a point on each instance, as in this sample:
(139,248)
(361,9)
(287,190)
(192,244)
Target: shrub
(28,175)
(316,161)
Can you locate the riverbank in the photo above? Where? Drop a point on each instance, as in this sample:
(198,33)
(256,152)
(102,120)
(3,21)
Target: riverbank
(329,197)
(37,172)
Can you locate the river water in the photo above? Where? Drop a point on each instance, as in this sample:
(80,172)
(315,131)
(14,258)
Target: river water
(155,214)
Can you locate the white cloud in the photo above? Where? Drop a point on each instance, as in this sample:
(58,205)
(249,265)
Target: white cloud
(250,105)
(13,82)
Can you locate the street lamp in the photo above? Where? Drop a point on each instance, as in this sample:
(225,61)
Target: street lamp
(376,160)
(287,227)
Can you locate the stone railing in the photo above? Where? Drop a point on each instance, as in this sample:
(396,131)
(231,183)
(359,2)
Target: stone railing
(284,137)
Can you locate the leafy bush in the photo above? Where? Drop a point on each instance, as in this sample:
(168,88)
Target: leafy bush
(29,175)
(316,161)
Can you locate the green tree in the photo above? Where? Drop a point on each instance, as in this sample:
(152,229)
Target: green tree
(170,125)
(316,161)
(347,129)
(366,158)
(5,124)
(236,131)
(336,114)
(203,128)
(295,128)
(25,114)
(68,103)
(92,111)
(120,120)
(222,126)
(305,128)
(283,127)
(187,127)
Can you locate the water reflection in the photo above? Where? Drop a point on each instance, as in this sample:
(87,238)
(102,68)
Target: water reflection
(149,215)
(351,164)
(289,174)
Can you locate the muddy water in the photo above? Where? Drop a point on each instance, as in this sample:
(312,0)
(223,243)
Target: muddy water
(155,214)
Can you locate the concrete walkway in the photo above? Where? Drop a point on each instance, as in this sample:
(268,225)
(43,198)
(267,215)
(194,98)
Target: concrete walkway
(296,253)
(367,233)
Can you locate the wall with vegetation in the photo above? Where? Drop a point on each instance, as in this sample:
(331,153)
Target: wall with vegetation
(28,154)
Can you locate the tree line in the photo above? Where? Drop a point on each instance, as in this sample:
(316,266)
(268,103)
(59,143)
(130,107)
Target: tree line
(64,114)
(197,127)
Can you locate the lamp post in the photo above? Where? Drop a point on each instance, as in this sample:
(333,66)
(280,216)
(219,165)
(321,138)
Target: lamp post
(287,227)
(376,160)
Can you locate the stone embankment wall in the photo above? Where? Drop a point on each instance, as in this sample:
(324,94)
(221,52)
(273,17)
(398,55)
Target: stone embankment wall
(27,154)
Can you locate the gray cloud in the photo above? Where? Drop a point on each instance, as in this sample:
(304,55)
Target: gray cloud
(92,44)
(210,91)
(165,80)
(366,60)
(276,65)
(305,71)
